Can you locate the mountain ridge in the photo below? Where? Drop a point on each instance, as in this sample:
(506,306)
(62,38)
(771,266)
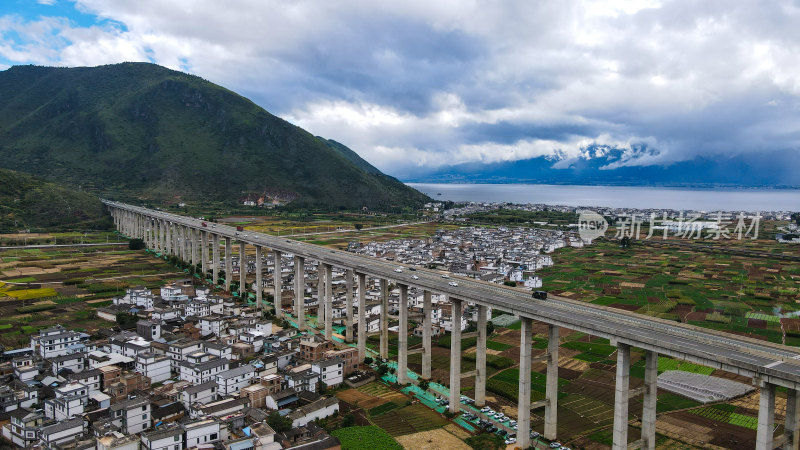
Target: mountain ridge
(141,131)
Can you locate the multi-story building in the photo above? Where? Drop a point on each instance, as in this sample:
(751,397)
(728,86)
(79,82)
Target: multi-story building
(23,428)
(179,350)
(203,433)
(201,369)
(330,370)
(73,362)
(349,358)
(57,341)
(312,349)
(230,382)
(62,432)
(154,366)
(70,401)
(168,439)
(199,393)
(131,415)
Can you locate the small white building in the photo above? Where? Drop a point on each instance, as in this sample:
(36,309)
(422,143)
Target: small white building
(232,381)
(204,433)
(318,409)
(199,371)
(199,393)
(154,366)
(330,370)
(169,439)
(132,415)
(62,432)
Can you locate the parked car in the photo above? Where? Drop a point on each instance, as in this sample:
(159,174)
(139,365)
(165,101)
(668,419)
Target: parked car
(485,409)
(511,439)
(555,445)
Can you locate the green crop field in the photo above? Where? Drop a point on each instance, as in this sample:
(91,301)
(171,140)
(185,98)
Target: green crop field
(365,438)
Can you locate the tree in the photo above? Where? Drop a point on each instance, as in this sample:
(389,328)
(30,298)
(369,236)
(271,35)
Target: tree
(510,283)
(625,242)
(424,385)
(348,420)
(368,360)
(136,244)
(359,226)
(382,369)
(124,319)
(489,328)
(278,422)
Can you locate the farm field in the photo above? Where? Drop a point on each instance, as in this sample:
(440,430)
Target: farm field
(741,294)
(40,287)
(365,438)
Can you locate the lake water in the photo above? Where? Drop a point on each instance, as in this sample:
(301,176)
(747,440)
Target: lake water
(619,196)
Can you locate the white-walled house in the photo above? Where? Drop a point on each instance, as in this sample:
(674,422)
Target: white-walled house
(132,415)
(168,439)
(154,366)
(317,409)
(204,433)
(330,370)
(200,393)
(232,381)
(62,432)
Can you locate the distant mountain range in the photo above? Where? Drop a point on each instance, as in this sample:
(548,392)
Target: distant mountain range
(143,132)
(767,169)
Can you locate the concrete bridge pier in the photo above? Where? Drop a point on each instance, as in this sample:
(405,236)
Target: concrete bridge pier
(328,301)
(195,238)
(480,358)
(551,384)
(277,280)
(402,337)
(524,401)
(455,356)
(259,288)
(228,264)
(215,260)
(162,236)
(791,436)
(299,292)
(426,334)
(384,318)
(204,253)
(320,294)
(242,271)
(621,397)
(649,401)
(766,416)
(362,323)
(348,307)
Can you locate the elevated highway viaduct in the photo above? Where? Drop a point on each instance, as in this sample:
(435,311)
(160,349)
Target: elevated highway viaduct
(769,365)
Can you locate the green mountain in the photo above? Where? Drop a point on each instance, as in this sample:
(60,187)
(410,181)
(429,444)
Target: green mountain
(138,130)
(28,202)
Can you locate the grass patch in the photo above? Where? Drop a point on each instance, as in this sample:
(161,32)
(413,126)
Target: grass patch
(499,346)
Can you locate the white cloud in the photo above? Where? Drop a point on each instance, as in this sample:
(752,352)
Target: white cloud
(420,83)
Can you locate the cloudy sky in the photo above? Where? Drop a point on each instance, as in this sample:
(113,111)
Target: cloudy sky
(418,85)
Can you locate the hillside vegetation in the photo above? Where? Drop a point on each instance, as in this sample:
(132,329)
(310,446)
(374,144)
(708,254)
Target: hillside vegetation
(28,202)
(141,131)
